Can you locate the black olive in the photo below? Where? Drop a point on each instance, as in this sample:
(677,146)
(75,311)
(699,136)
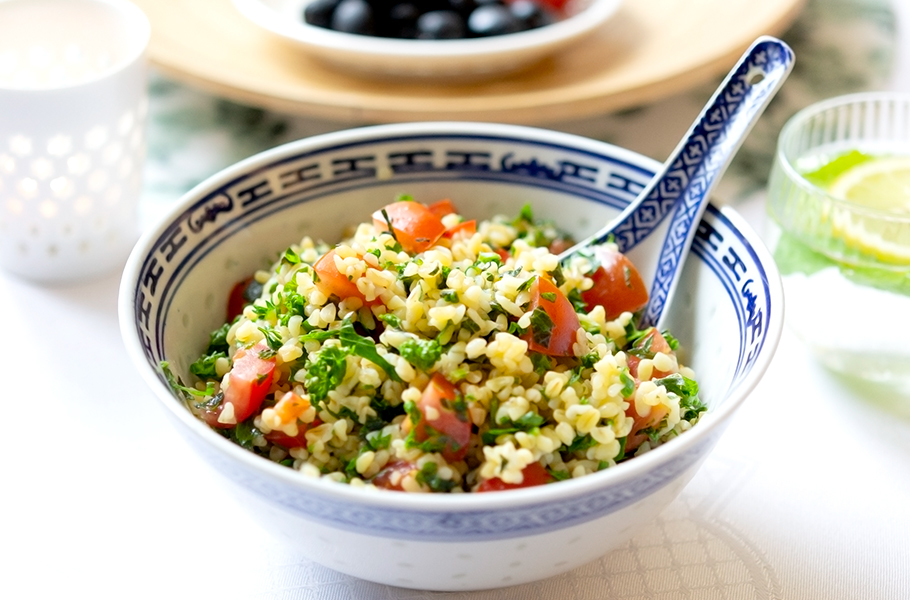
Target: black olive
(440,25)
(353,16)
(492,19)
(530,13)
(253,291)
(464,7)
(319,12)
(402,22)
(428,19)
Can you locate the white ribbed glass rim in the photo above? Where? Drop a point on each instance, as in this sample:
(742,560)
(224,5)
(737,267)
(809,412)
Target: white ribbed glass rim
(876,122)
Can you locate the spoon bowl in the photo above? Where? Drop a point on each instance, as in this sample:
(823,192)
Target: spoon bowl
(657,228)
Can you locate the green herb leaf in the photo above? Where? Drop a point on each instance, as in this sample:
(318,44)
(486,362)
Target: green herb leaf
(628,384)
(391,320)
(526,284)
(325,373)
(204,367)
(181,389)
(542,363)
(423,354)
(244,433)
(526,215)
(671,341)
(557,275)
(450,296)
(358,345)
(291,257)
(541,327)
(686,389)
(578,303)
(581,443)
(429,475)
(218,340)
(528,422)
(272,337)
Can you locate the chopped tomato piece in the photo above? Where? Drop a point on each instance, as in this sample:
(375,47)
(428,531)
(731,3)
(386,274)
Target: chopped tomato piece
(443,207)
(280,438)
(249,381)
(560,245)
(533,474)
(443,419)
(210,416)
(652,342)
(466,228)
(554,332)
(415,226)
(391,475)
(618,286)
(333,283)
(291,406)
(636,439)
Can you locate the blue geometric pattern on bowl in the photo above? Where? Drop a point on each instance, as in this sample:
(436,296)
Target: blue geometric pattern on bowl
(463,525)
(291,181)
(699,163)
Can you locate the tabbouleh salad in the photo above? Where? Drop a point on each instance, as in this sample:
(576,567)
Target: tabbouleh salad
(430,353)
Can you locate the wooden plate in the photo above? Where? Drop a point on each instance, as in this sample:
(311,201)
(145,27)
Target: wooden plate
(648,50)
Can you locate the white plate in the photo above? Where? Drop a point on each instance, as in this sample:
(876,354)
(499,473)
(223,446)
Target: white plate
(465,59)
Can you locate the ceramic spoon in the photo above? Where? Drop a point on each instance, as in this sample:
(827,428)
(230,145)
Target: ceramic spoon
(657,228)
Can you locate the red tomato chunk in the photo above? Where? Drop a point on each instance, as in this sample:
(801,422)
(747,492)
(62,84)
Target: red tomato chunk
(444,421)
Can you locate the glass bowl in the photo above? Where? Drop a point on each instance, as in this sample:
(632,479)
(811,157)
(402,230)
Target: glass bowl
(844,255)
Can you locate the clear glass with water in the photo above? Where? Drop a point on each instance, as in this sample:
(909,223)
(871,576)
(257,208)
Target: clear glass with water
(839,229)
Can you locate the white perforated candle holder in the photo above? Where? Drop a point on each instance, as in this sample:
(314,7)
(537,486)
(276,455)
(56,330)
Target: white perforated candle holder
(73,102)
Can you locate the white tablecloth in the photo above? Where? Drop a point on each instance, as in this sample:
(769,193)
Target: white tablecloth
(807,496)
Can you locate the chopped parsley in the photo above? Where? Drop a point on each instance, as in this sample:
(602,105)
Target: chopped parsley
(391,320)
(542,363)
(325,373)
(450,296)
(528,422)
(423,354)
(181,389)
(357,344)
(581,443)
(541,327)
(204,367)
(690,405)
(428,475)
(272,337)
(291,257)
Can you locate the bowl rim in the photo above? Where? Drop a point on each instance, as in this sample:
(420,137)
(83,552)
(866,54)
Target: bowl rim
(710,426)
(588,18)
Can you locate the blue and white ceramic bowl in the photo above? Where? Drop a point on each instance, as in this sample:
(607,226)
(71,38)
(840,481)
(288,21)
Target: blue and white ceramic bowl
(727,315)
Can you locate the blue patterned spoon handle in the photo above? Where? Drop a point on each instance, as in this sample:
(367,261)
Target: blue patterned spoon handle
(681,189)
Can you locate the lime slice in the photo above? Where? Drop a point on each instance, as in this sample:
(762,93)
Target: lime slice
(881,186)
(882,183)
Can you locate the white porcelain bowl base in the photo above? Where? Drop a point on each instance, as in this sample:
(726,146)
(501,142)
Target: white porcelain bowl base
(464,59)
(727,315)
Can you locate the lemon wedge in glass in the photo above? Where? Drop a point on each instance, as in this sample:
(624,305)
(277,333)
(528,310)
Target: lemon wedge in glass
(881,183)
(876,217)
